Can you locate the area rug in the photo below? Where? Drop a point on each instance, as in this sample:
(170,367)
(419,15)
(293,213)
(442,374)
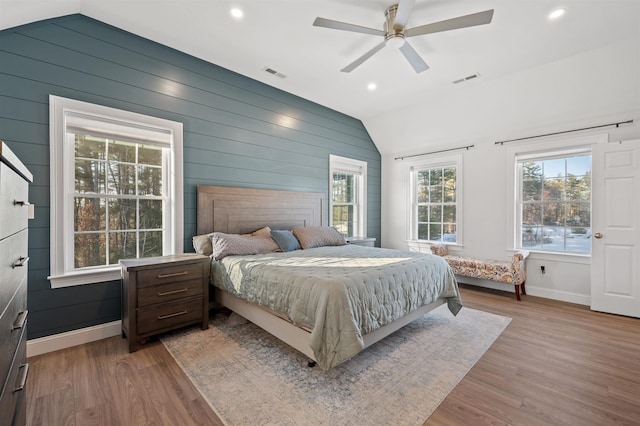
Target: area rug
(251,378)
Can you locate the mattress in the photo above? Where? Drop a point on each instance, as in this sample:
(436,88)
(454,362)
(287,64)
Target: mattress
(339,292)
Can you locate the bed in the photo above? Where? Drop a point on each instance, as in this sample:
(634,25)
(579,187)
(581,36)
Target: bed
(329,300)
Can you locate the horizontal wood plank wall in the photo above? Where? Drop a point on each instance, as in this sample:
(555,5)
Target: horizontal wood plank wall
(237,132)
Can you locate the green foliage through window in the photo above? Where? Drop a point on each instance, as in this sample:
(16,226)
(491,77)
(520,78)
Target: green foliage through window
(555,204)
(436,204)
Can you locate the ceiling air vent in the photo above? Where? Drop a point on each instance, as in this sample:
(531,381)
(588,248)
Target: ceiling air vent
(274,72)
(467,78)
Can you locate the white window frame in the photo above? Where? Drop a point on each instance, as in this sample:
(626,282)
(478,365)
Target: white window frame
(359,169)
(550,147)
(101,120)
(456,161)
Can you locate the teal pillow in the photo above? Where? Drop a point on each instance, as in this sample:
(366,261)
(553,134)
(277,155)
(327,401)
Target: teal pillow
(285,240)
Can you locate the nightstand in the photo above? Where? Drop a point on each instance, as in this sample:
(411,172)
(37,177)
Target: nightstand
(163,293)
(361,241)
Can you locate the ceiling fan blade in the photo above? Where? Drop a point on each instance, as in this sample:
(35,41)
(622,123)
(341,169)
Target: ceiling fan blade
(353,65)
(414,59)
(402,14)
(337,25)
(472,20)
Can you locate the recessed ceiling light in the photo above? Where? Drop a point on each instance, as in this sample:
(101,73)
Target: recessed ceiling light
(372,86)
(557,13)
(237,13)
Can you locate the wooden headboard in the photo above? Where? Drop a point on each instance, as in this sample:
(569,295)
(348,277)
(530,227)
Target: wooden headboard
(243,210)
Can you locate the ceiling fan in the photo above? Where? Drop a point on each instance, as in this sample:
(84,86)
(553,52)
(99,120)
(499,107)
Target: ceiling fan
(395,33)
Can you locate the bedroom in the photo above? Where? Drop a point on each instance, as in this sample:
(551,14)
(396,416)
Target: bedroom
(81,58)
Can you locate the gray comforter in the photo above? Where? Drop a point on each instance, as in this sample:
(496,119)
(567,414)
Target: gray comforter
(341,293)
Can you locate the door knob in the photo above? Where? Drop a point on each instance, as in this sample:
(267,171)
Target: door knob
(598,235)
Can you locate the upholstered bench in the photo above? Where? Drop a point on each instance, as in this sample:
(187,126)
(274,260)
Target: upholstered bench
(510,272)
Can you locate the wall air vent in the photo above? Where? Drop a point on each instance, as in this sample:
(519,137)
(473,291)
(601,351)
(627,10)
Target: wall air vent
(274,72)
(467,78)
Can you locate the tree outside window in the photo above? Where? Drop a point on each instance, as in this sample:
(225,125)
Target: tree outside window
(436,204)
(555,203)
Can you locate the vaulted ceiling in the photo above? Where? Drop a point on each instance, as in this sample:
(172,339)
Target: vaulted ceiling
(278,34)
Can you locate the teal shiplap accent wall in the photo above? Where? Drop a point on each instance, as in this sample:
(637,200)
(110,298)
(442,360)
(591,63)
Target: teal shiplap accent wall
(237,132)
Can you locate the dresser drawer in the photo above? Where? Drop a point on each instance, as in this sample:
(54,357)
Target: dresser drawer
(169,274)
(12,404)
(13,322)
(13,252)
(169,292)
(157,318)
(14,209)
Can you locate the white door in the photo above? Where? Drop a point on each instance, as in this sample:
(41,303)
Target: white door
(615,261)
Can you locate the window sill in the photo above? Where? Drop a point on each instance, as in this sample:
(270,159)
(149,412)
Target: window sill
(85,277)
(558,256)
(425,246)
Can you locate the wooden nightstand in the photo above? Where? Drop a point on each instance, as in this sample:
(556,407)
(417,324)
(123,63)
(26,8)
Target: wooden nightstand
(361,241)
(163,293)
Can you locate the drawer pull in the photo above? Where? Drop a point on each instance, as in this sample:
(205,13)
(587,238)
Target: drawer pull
(176,314)
(21,203)
(177,274)
(167,293)
(23,379)
(20,262)
(21,319)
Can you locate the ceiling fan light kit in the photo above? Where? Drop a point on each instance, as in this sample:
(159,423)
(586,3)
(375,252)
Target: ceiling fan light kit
(395,32)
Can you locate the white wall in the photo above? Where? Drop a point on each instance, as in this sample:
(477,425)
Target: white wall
(592,88)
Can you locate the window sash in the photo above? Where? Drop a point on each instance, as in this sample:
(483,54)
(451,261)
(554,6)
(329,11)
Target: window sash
(356,197)
(431,226)
(545,234)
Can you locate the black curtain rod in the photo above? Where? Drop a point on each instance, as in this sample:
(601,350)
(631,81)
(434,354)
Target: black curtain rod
(435,152)
(565,131)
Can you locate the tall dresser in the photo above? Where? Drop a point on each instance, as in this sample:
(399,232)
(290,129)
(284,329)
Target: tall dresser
(14,213)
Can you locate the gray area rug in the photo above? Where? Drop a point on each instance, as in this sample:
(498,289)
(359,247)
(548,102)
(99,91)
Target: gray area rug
(251,378)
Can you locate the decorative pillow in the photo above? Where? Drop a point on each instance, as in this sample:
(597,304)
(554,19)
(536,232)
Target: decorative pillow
(232,244)
(202,244)
(262,232)
(439,249)
(318,236)
(285,240)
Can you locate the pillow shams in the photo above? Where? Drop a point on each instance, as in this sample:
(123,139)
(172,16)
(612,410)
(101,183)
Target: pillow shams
(285,240)
(235,244)
(318,236)
(202,243)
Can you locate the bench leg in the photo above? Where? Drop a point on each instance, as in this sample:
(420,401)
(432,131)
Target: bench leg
(518,292)
(524,290)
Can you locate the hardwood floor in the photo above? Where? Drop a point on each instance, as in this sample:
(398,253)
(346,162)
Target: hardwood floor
(556,363)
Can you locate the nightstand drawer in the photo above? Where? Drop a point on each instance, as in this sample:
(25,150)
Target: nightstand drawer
(169,274)
(156,318)
(168,292)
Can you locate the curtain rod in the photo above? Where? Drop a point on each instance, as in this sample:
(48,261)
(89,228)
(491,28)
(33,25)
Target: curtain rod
(435,152)
(565,131)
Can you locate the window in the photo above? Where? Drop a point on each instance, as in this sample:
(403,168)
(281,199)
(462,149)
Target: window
(348,182)
(435,202)
(116,181)
(554,206)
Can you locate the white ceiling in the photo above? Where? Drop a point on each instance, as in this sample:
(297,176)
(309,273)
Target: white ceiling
(279,34)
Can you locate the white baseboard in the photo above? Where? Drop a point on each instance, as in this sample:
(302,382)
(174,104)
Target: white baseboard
(563,296)
(59,341)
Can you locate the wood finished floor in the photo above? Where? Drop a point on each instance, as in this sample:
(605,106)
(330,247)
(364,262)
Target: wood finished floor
(555,364)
